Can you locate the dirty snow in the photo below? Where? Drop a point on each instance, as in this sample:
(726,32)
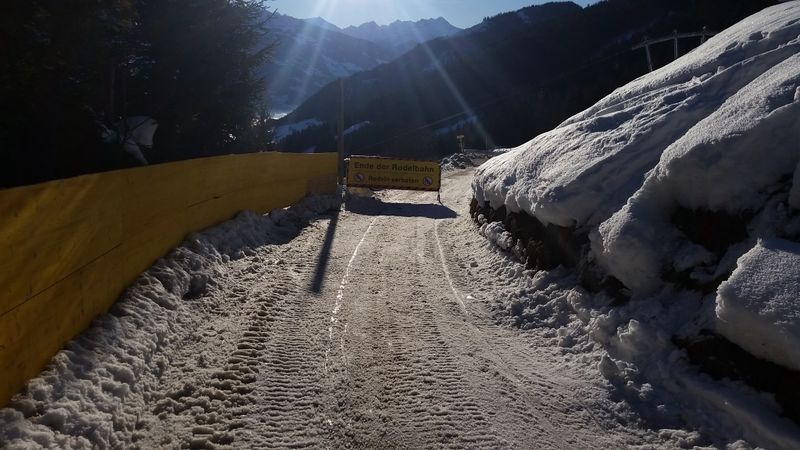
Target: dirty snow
(630,346)
(228,340)
(757,306)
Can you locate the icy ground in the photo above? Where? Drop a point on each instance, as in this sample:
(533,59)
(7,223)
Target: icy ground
(389,324)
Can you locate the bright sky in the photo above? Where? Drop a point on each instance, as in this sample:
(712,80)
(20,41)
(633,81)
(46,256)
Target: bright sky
(461,13)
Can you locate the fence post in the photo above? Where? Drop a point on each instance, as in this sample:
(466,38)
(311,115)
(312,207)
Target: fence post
(676,44)
(649,57)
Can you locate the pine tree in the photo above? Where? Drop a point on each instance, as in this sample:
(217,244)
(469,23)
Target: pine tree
(56,58)
(71,68)
(195,75)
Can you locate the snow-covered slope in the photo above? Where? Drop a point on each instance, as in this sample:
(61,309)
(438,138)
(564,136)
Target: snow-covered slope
(715,131)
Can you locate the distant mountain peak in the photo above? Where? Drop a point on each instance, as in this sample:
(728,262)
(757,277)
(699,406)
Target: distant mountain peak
(320,22)
(402,35)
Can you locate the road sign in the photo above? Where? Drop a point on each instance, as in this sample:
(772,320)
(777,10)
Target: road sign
(386,173)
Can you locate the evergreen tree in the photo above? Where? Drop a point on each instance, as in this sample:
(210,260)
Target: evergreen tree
(56,60)
(72,68)
(195,75)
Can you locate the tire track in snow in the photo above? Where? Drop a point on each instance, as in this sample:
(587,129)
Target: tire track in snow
(445,269)
(517,380)
(260,386)
(284,343)
(398,381)
(277,352)
(340,292)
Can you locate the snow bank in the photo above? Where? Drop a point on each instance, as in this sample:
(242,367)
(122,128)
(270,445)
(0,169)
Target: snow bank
(710,139)
(716,130)
(632,345)
(758,308)
(726,162)
(588,167)
(91,393)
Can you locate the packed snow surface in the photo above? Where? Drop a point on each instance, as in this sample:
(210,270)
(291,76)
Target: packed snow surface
(757,306)
(715,130)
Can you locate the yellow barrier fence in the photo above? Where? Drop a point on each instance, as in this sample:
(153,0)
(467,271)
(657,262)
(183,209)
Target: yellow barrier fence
(69,248)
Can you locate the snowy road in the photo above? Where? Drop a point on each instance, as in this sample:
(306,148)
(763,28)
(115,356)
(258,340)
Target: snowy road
(366,335)
(373,328)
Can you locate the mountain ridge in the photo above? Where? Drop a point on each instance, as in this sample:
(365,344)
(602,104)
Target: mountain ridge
(402,35)
(306,57)
(310,53)
(504,80)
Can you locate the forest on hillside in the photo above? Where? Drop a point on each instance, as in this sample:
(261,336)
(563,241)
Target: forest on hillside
(73,72)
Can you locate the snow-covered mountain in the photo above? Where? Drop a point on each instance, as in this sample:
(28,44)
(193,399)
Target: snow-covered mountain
(683,185)
(310,53)
(307,56)
(401,36)
(322,23)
